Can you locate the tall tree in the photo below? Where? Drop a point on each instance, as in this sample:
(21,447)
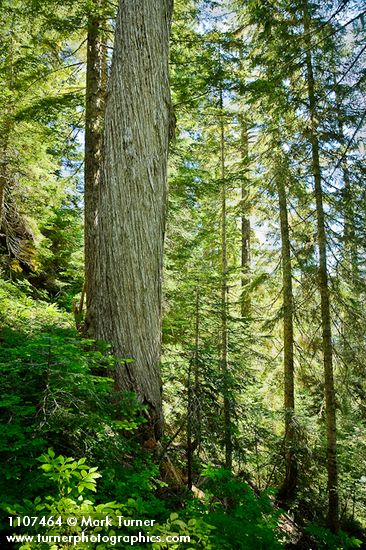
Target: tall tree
(245,220)
(132,201)
(94,119)
(193,390)
(39,93)
(224,296)
(326,323)
(289,485)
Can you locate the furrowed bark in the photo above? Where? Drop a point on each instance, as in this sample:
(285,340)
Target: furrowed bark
(132,201)
(94,120)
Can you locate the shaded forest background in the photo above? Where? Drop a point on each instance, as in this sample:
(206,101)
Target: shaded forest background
(263,338)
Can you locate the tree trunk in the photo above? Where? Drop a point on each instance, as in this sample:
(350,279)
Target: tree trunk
(330,400)
(132,201)
(288,488)
(189,427)
(196,373)
(7,125)
(224,284)
(193,412)
(245,224)
(3,182)
(94,119)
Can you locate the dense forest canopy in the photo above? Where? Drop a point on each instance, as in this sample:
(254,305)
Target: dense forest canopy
(183,272)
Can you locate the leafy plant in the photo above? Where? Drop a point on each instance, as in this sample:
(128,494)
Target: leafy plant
(72,478)
(242,518)
(327,540)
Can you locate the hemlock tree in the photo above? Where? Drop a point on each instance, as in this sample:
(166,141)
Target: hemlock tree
(323,282)
(224,351)
(132,201)
(288,487)
(96,80)
(40,92)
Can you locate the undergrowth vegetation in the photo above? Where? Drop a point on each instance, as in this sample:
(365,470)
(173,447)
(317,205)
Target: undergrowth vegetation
(56,393)
(60,412)
(224,265)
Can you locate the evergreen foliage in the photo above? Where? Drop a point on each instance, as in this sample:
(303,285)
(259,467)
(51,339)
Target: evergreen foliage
(259,90)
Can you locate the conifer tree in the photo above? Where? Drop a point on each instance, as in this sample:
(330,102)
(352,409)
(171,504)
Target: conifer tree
(330,399)
(132,202)
(95,94)
(289,485)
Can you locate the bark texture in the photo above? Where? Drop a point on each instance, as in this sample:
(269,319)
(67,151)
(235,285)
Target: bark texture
(330,400)
(132,200)
(94,119)
(289,485)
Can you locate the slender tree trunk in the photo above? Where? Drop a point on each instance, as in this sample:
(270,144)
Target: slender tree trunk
(288,488)
(224,299)
(96,81)
(196,373)
(245,223)
(7,126)
(330,399)
(189,427)
(193,412)
(3,181)
(132,201)
(4,168)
